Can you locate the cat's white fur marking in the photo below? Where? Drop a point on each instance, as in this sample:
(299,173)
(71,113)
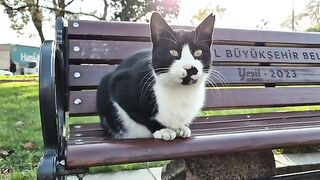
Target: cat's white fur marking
(134,130)
(183,132)
(165,134)
(179,104)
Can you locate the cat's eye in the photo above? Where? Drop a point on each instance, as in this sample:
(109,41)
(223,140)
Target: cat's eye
(174,53)
(197,53)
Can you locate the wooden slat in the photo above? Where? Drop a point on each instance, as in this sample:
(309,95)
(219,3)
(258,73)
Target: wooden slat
(88,132)
(139,150)
(223,98)
(105,30)
(103,51)
(90,75)
(87,127)
(93,51)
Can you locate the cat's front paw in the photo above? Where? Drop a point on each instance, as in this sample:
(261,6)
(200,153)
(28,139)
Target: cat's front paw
(183,132)
(165,134)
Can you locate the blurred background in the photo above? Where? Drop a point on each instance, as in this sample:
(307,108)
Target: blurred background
(25,24)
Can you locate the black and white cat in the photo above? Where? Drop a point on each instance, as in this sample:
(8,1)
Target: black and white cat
(158,93)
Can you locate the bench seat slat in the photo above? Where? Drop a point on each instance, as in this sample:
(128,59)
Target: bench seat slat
(90,131)
(106,30)
(91,75)
(110,52)
(106,151)
(87,127)
(221,98)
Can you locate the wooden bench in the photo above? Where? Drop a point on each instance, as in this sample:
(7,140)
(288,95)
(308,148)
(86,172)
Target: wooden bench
(262,69)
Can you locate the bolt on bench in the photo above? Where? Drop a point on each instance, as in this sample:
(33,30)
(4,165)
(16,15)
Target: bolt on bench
(262,68)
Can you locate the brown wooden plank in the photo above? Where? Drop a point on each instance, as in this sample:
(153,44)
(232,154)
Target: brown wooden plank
(103,51)
(90,75)
(215,129)
(93,51)
(222,98)
(140,150)
(212,127)
(87,127)
(106,30)
(99,136)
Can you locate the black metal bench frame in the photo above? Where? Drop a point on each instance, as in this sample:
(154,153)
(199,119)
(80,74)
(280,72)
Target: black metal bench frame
(54,97)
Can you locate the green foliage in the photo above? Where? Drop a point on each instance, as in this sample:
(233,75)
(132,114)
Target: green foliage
(311,13)
(314,28)
(17,12)
(133,10)
(203,13)
(22,12)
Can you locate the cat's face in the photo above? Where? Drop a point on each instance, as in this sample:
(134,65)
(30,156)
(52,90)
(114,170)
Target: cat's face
(181,57)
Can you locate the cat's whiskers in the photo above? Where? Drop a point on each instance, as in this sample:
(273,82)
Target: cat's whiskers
(143,88)
(218,78)
(216,75)
(217,91)
(157,70)
(145,76)
(147,84)
(222,80)
(147,88)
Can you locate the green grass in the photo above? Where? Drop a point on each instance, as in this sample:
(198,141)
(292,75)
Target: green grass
(20,124)
(20,118)
(19,78)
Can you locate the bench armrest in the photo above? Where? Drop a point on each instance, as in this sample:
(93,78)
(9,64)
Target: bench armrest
(51,112)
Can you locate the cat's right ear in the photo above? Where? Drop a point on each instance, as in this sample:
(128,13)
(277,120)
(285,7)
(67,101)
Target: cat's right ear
(159,27)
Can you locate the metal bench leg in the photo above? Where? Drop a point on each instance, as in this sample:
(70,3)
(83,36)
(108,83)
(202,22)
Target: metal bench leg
(47,166)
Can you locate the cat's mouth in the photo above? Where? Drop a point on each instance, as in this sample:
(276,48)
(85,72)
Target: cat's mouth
(188,81)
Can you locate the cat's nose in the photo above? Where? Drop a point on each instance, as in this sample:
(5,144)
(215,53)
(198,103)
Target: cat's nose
(191,70)
(187,66)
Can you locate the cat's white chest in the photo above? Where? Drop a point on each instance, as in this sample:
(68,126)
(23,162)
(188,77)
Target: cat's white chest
(178,107)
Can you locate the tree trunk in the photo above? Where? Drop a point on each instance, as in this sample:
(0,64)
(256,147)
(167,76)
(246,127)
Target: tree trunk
(36,16)
(40,32)
(246,165)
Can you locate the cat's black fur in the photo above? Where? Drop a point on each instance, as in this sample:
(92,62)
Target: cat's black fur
(127,84)
(124,86)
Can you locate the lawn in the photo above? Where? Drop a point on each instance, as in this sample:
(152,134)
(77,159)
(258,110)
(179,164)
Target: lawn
(20,133)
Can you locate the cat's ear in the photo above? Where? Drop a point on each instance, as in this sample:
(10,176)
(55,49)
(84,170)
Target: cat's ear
(159,28)
(205,29)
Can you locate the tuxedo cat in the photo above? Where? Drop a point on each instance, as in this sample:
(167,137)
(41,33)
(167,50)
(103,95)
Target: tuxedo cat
(158,93)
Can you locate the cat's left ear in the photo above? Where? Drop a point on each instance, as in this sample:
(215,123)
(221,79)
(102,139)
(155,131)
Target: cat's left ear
(159,28)
(205,29)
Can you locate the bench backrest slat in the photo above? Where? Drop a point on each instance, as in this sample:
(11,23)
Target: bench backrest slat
(222,98)
(108,52)
(106,30)
(247,61)
(90,75)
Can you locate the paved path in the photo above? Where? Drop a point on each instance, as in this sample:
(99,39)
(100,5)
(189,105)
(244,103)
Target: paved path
(155,173)
(142,174)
